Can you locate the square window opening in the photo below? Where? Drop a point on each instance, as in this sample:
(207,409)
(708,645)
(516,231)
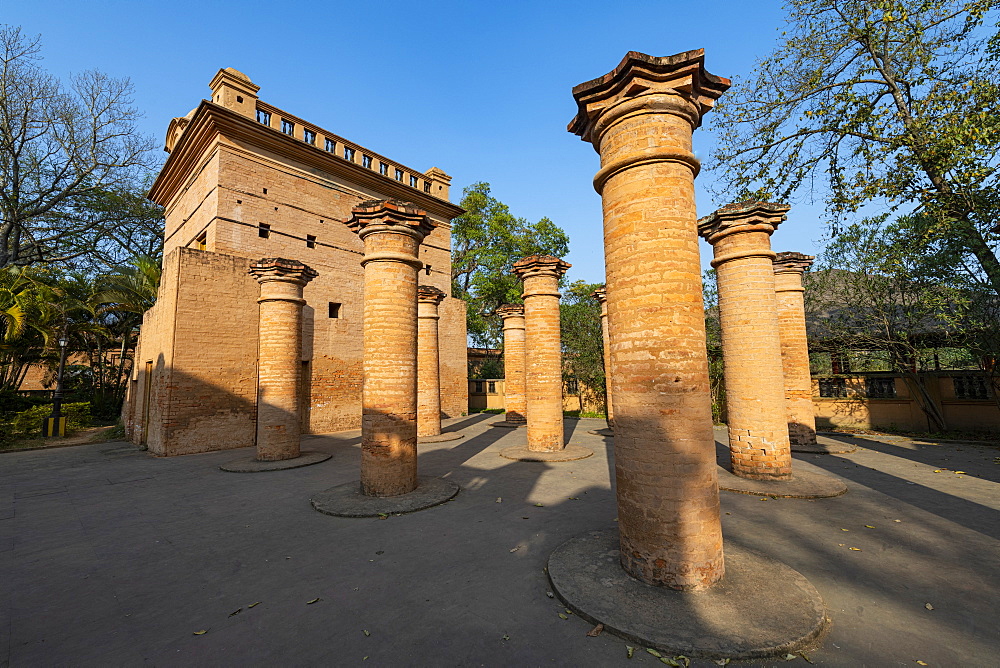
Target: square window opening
(366,161)
(331,146)
(264,117)
(348,153)
(399,174)
(310,241)
(334,310)
(309,136)
(263,230)
(287,127)
(383,169)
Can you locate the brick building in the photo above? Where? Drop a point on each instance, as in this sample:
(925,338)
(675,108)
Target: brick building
(246,180)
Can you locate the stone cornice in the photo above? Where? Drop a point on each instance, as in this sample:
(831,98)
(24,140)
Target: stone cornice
(510,311)
(600,294)
(791,262)
(428,294)
(281,269)
(751,216)
(212,122)
(637,74)
(540,265)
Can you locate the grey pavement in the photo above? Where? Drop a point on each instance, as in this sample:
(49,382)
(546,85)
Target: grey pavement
(111,557)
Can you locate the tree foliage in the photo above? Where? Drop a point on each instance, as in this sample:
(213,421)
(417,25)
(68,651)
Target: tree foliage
(885,102)
(72,164)
(486,241)
(874,292)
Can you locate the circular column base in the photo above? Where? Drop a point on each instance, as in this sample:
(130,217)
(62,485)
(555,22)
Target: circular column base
(802,485)
(569,453)
(825,448)
(253,465)
(509,425)
(346,500)
(441,438)
(606,432)
(761,608)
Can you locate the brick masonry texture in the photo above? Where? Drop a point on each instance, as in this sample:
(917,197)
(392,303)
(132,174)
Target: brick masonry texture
(392,232)
(515,401)
(740,235)
(227,175)
(788,269)
(640,119)
(428,363)
(543,350)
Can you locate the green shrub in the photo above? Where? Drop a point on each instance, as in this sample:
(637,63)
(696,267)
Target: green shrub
(29,422)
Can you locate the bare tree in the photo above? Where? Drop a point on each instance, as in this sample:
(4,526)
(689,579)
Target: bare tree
(64,151)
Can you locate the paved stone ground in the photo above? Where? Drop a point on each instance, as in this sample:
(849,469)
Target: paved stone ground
(110,557)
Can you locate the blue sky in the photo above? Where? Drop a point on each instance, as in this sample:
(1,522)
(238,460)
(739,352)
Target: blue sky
(481,90)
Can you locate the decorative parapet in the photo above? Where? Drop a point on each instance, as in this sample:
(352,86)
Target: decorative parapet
(750,216)
(639,74)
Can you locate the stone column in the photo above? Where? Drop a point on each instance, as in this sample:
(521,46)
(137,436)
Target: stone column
(392,232)
(740,235)
(788,269)
(543,350)
(601,296)
(279,355)
(428,361)
(515,402)
(640,118)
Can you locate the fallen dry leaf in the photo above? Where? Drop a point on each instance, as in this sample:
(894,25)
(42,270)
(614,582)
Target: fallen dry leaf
(515,548)
(562,616)
(538,505)
(235,612)
(253,604)
(596,631)
(869,526)
(366,633)
(856,549)
(499,499)
(200,633)
(928,606)
(920,663)
(630,651)
(653,652)
(315,600)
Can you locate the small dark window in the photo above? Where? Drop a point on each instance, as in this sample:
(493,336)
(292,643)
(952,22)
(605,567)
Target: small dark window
(265,191)
(309,136)
(832,388)
(334,310)
(239,99)
(287,127)
(383,169)
(413,182)
(264,117)
(479,387)
(331,146)
(366,161)
(971,387)
(880,388)
(399,174)
(427,186)
(348,153)
(492,387)
(310,241)
(263,230)
(572,386)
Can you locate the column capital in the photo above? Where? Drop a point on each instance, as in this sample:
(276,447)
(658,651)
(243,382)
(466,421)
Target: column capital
(601,295)
(750,216)
(390,215)
(791,262)
(638,74)
(541,265)
(281,269)
(428,294)
(508,311)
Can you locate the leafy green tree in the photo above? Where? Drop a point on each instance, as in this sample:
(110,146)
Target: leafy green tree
(582,340)
(874,293)
(713,336)
(72,163)
(486,241)
(877,102)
